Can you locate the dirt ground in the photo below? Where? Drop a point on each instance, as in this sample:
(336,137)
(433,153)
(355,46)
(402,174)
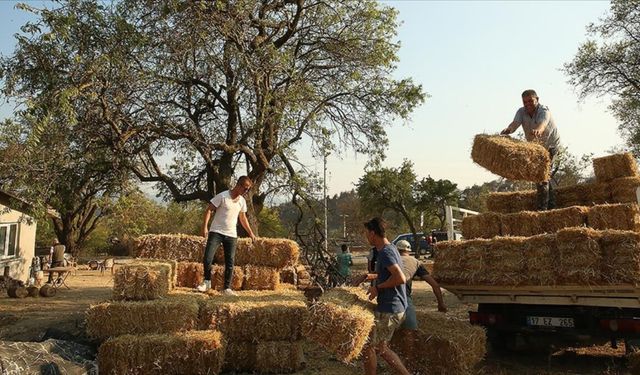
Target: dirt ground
(62,316)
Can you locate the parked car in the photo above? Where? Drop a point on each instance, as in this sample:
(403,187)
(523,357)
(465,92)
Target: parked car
(424,245)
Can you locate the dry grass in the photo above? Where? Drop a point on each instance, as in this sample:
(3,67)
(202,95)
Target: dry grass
(341,322)
(111,319)
(481,226)
(256,316)
(579,256)
(193,352)
(621,250)
(442,345)
(510,202)
(143,281)
(615,166)
(622,216)
(511,158)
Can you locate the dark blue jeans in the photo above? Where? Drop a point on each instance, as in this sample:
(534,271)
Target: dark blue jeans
(229,246)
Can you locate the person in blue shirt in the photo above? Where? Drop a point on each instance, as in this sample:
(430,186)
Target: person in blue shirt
(389,290)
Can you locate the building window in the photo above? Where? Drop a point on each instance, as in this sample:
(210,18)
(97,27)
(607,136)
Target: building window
(8,237)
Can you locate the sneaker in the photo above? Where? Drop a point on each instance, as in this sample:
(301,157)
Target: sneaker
(229,292)
(206,285)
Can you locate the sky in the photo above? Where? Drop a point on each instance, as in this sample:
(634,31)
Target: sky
(474,58)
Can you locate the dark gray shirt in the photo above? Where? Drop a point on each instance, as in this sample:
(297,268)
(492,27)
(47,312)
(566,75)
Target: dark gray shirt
(412,267)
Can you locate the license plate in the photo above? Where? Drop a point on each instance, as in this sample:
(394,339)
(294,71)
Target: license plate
(546,321)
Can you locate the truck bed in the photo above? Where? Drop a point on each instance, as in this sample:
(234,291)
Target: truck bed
(579,295)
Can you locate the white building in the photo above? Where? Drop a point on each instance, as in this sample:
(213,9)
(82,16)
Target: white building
(17,237)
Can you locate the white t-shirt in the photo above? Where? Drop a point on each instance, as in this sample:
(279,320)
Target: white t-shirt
(225,218)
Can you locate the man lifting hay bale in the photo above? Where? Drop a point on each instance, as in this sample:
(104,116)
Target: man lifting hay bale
(538,125)
(227,207)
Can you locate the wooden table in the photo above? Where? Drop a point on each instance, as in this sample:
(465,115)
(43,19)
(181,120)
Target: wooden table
(63,273)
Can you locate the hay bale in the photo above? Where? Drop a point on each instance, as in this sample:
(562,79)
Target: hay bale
(541,260)
(143,280)
(260,278)
(481,226)
(217,278)
(504,262)
(442,345)
(621,261)
(192,352)
(615,166)
(16,291)
(33,291)
(288,276)
(514,201)
(579,256)
(553,220)
(341,322)
(47,290)
(623,190)
(189,274)
(472,261)
(279,357)
(525,224)
(583,195)
(511,158)
(240,356)
(447,266)
(270,315)
(178,247)
(621,216)
(173,314)
(266,252)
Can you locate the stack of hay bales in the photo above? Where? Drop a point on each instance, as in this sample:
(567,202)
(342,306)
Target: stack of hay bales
(342,319)
(593,243)
(257,263)
(144,280)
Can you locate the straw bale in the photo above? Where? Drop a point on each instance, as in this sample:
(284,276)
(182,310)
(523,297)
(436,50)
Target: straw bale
(192,352)
(110,319)
(623,190)
(442,345)
(341,322)
(579,256)
(512,159)
(279,357)
(541,260)
(552,221)
(190,274)
(260,278)
(621,250)
(526,223)
(504,262)
(481,226)
(178,247)
(271,316)
(240,356)
(621,216)
(514,201)
(610,167)
(447,268)
(17,291)
(217,277)
(472,261)
(33,291)
(142,281)
(266,252)
(583,195)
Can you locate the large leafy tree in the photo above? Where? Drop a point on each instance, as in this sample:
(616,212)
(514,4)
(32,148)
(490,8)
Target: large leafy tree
(191,94)
(607,64)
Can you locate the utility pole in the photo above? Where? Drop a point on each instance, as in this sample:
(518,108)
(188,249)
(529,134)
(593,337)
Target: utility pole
(344,225)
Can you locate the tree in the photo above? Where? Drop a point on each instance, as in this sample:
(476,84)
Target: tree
(220,86)
(608,65)
(434,195)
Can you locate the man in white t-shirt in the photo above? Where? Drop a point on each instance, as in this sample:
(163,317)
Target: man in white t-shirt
(227,207)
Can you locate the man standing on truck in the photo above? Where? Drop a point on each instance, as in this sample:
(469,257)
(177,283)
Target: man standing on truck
(412,267)
(389,289)
(538,126)
(227,207)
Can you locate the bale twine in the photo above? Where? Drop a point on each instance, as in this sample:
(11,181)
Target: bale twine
(615,166)
(511,158)
(111,319)
(621,216)
(341,322)
(192,352)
